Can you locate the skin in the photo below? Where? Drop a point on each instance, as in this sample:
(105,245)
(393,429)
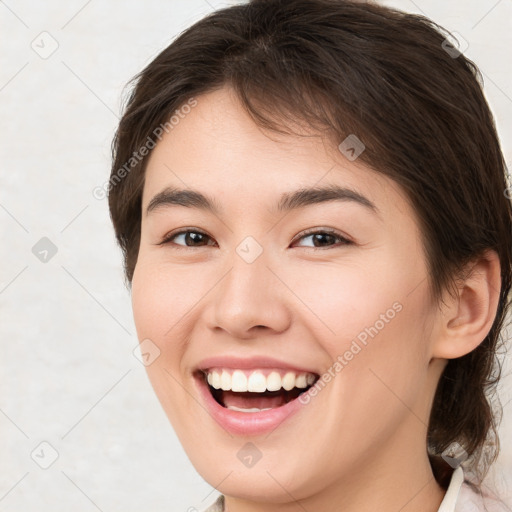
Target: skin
(359,445)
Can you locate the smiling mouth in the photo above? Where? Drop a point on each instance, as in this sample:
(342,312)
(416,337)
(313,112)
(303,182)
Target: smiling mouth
(248,391)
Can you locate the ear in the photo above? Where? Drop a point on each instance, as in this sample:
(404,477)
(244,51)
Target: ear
(466,319)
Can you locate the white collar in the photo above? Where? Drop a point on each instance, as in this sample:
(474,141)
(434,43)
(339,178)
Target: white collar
(452,493)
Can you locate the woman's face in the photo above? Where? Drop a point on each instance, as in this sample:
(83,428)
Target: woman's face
(270,285)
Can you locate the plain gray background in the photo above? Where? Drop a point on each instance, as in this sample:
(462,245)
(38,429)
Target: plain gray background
(69,378)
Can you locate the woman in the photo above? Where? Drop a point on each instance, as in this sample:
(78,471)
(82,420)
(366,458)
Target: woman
(309,196)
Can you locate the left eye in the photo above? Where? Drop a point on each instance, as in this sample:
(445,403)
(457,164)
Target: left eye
(323,237)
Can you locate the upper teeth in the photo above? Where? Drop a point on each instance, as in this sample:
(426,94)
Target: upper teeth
(255,381)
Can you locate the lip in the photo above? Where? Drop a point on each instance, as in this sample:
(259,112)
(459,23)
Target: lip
(233,362)
(245,423)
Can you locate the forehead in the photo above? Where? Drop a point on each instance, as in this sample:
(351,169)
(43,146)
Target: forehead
(217,148)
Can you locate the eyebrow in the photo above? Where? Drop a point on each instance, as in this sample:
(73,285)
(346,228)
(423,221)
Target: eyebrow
(289,200)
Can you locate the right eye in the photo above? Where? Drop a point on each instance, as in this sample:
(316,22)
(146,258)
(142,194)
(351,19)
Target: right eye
(190,238)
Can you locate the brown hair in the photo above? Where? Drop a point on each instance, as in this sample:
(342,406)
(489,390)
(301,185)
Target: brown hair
(346,67)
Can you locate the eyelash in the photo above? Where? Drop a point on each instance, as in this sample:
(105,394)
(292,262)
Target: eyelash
(344,241)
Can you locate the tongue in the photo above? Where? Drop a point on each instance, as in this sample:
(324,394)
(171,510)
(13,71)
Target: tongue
(254,400)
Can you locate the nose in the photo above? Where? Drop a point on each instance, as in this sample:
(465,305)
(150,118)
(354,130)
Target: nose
(250,300)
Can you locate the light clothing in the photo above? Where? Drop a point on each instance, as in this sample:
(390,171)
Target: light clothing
(459,497)
(218,506)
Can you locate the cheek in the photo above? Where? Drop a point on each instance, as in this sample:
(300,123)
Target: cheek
(161,301)
(382,364)
(369,317)
(342,299)
(163,297)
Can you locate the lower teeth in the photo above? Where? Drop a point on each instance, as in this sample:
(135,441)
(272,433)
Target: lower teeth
(254,409)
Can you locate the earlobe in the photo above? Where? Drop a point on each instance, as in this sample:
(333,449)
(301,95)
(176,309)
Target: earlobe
(467,319)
